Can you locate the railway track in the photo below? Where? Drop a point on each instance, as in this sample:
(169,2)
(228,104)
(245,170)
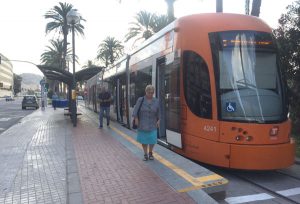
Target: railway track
(279,186)
(283,194)
(289,174)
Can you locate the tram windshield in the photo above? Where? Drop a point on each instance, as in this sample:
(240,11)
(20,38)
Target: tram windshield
(248,78)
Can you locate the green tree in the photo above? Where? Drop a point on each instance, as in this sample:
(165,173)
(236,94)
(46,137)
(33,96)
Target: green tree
(89,64)
(288,38)
(145,25)
(58,15)
(109,51)
(53,54)
(142,27)
(160,22)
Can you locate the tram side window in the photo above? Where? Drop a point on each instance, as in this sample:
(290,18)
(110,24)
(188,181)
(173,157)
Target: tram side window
(197,84)
(138,82)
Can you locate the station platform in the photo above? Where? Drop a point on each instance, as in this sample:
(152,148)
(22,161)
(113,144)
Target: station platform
(44,159)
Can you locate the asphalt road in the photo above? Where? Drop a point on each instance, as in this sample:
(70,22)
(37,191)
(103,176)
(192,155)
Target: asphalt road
(11,113)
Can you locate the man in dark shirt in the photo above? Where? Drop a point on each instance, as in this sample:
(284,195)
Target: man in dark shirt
(105,100)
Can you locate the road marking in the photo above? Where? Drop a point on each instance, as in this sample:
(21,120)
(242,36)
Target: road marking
(197,183)
(4,119)
(248,198)
(1,129)
(289,192)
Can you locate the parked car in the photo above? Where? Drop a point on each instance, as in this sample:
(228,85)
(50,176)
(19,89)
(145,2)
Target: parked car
(30,101)
(8,98)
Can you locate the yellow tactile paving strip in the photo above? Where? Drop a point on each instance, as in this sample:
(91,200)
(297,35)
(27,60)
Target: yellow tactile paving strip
(197,183)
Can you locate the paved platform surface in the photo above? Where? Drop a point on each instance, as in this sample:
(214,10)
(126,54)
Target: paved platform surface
(44,159)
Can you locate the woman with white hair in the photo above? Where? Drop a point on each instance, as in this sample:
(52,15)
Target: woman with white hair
(146,116)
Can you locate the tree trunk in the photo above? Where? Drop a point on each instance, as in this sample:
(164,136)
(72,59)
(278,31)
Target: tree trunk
(171,16)
(219,6)
(65,33)
(256,7)
(247,7)
(64,62)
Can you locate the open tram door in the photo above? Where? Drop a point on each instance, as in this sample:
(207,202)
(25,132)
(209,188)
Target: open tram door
(120,100)
(168,93)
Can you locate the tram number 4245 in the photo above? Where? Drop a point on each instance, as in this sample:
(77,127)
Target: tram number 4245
(210,128)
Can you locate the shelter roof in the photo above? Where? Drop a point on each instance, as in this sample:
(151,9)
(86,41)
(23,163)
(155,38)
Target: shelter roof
(55,73)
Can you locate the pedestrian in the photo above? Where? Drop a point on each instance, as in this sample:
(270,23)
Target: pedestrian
(146,116)
(105,101)
(54,100)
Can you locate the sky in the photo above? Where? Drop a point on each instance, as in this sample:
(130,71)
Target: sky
(22,23)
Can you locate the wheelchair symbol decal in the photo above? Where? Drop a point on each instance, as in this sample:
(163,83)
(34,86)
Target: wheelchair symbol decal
(230,107)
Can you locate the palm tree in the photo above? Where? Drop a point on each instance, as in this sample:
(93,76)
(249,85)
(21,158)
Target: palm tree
(110,50)
(142,27)
(53,56)
(247,8)
(146,25)
(89,64)
(170,4)
(160,22)
(59,24)
(255,11)
(219,6)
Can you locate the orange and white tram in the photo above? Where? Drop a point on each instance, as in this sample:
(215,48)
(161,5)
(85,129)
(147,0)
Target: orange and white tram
(221,90)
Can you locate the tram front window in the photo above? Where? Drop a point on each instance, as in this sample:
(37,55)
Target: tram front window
(248,78)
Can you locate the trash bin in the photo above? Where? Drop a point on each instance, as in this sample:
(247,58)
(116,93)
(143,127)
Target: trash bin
(63,103)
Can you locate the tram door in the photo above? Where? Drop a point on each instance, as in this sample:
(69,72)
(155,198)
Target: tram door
(160,92)
(121,93)
(168,94)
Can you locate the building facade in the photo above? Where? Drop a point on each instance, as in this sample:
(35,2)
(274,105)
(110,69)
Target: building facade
(6,77)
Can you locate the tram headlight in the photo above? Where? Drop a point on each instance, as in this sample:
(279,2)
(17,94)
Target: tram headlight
(249,138)
(238,138)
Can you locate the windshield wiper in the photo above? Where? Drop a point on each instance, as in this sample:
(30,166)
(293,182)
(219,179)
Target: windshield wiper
(245,83)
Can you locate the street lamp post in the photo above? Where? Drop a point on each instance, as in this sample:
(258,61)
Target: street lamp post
(73,17)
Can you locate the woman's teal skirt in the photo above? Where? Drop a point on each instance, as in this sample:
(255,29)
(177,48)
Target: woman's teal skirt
(147,137)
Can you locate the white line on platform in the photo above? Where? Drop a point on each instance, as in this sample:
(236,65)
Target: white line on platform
(4,119)
(248,198)
(289,192)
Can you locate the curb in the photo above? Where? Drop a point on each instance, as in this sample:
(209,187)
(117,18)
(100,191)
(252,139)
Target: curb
(297,160)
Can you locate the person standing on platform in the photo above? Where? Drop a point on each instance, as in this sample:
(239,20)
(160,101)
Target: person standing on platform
(146,116)
(105,101)
(54,100)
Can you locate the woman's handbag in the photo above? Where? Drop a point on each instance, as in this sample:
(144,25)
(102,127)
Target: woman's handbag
(134,126)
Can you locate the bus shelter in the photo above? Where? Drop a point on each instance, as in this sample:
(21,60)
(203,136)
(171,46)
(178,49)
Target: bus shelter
(55,73)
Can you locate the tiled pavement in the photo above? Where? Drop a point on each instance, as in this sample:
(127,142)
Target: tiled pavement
(39,158)
(33,160)
(109,173)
